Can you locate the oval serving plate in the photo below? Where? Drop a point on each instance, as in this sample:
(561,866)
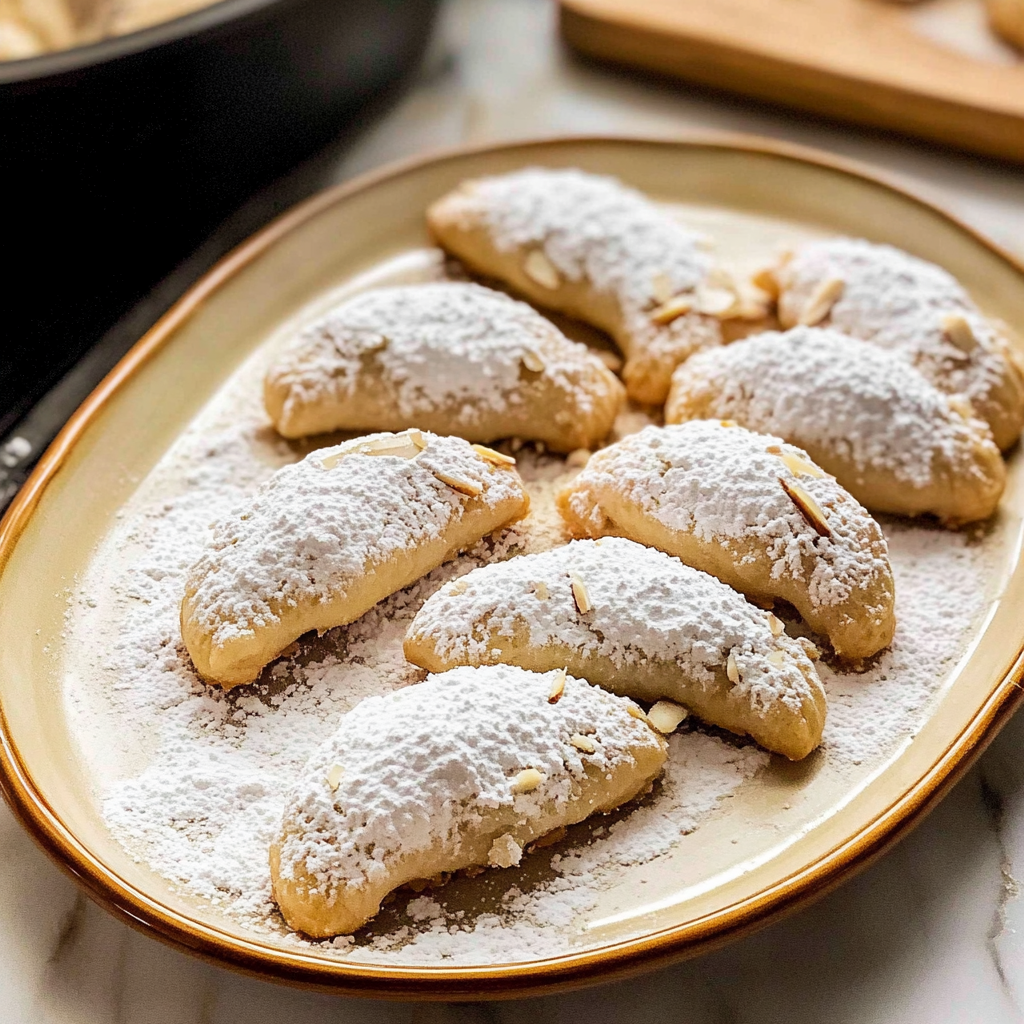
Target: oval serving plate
(771,847)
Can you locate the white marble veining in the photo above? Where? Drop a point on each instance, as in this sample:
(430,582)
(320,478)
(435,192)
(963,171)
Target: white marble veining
(932,933)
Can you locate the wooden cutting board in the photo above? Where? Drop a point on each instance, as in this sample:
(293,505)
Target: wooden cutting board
(868,61)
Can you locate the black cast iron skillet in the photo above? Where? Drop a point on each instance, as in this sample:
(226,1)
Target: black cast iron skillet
(118,158)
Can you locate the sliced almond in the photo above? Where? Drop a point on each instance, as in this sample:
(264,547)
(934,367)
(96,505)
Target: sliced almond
(666,715)
(810,648)
(956,328)
(458,587)
(610,359)
(495,458)
(728,423)
(636,711)
(532,361)
(800,467)
(539,269)
(765,280)
(580,595)
(527,781)
(456,483)
(822,299)
(661,288)
(715,301)
(557,687)
(672,310)
(777,658)
(541,590)
(400,447)
(578,458)
(776,625)
(417,438)
(334,777)
(809,508)
(961,407)
(732,670)
(583,743)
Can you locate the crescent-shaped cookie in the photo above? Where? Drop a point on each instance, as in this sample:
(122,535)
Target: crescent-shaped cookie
(751,510)
(892,299)
(862,413)
(589,246)
(450,357)
(325,539)
(637,622)
(462,770)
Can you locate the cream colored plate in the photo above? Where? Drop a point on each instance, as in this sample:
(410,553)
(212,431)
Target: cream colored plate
(781,839)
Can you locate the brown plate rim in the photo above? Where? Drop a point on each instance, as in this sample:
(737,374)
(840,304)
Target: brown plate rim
(570,970)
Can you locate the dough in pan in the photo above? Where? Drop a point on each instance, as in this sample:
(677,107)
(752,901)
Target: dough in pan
(462,770)
(862,413)
(450,357)
(751,510)
(637,622)
(892,299)
(325,539)
(589,246)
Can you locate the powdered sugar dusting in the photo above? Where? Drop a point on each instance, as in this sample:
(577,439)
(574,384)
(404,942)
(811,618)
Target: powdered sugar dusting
(722,485)
(192,780)
(423,766)
(646,607)
(444,345)
(316,527)
(898,301)
(836,393)
(595,229)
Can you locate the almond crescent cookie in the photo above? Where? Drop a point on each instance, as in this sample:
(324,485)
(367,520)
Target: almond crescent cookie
(462,770)
(751,510)
(325,539)
(1007,18)
(449,357)
(637,622)
(863,414)
(892,299)
(591,247)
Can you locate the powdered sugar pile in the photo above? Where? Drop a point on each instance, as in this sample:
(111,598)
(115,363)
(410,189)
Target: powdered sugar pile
(444,345)
(831,392)
(720,484)
(644,607)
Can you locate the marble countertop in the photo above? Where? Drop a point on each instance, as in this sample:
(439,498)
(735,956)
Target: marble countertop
(934,932)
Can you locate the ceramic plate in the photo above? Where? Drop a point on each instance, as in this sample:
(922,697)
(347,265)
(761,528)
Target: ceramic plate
(783,836)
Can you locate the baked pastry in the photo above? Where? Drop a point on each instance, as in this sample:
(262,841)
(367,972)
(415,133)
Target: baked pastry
(589,246)
(1007,18)
(325,539)
(751,510)
(637,622)
(450,357)
(462,770)
(892,299)
(862,413)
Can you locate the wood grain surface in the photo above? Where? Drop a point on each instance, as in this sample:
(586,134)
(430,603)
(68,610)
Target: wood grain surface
(861,60)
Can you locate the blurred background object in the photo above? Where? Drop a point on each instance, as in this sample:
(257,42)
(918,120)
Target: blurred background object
(120,157)
(931,68)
